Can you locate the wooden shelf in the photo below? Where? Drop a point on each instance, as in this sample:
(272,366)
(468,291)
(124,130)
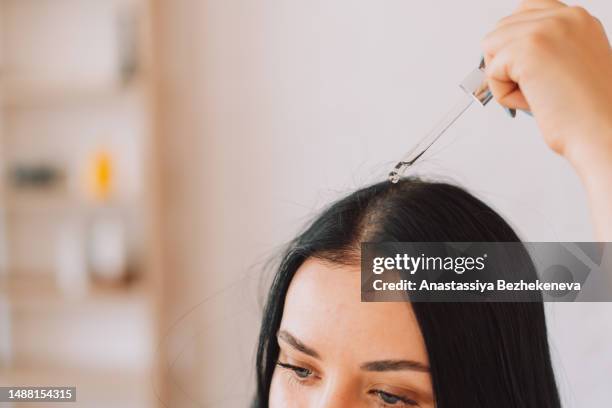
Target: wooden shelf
(32,290)
(54,203)
(22,94)
(62,96)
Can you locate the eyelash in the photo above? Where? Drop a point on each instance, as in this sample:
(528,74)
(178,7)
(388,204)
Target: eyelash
(404,401)
(294,377)
(297,379)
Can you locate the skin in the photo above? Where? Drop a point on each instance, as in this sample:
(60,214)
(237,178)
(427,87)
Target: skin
(344,353)
(556,61)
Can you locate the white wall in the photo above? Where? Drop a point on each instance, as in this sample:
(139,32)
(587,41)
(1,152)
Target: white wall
(274,108)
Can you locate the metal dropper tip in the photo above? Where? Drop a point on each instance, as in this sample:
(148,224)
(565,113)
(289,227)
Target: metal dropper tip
(394,177)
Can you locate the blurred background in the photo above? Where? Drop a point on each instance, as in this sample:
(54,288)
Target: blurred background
(156,155)
(79,286)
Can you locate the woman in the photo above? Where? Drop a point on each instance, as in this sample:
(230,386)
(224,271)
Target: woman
(321,347)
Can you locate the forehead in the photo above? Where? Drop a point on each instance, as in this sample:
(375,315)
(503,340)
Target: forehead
(323,309)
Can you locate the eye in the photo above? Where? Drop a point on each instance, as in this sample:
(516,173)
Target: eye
(301,372)
(388,398)
(394,400)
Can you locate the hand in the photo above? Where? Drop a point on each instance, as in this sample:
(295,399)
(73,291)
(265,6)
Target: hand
(556,61)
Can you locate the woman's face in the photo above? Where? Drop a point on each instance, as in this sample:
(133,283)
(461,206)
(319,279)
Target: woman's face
(338,352)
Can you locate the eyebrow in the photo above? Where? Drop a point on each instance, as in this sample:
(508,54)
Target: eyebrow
(394,365)
(375,366)
(297,344)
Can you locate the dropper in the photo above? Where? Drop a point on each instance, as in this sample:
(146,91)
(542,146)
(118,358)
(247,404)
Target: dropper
(476,89)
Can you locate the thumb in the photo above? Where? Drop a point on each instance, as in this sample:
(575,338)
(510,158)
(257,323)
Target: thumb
(506,92)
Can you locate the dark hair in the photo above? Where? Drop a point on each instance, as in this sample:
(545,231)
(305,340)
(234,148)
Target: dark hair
(480,354)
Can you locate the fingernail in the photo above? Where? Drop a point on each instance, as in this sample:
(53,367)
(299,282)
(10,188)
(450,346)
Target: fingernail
(510,112)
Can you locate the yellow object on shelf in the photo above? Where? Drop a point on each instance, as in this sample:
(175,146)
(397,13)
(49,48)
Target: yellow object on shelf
(101,180)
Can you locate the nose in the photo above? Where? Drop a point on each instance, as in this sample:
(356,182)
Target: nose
(338,394)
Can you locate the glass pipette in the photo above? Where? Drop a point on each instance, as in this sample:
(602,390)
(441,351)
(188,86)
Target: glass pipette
(434,134)
(476,89)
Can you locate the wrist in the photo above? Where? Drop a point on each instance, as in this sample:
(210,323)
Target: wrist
(590,153)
